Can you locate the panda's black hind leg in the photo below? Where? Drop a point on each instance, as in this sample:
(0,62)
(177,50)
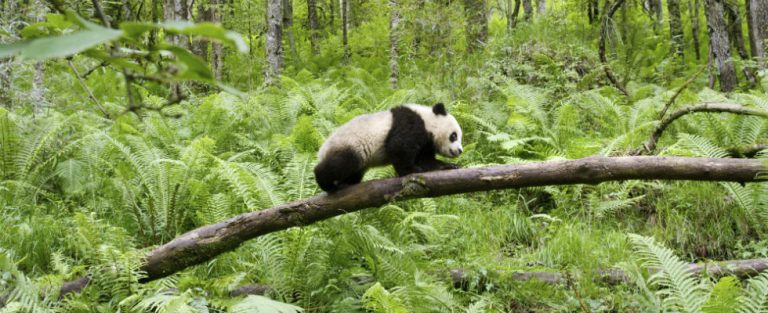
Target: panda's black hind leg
(339,170)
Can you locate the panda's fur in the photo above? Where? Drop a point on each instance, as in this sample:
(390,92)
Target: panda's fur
(407,136)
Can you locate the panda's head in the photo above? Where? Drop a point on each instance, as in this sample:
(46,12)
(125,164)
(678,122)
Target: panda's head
(445,130)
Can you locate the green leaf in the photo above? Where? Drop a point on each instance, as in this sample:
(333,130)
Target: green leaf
(59,46)
(209,30)
(136,29)
(192,67)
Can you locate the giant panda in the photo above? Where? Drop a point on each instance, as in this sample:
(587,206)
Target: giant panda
(407,136)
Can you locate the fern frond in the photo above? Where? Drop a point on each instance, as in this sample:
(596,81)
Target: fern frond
(679,288)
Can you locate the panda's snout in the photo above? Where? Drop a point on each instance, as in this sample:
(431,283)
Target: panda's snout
(456,152)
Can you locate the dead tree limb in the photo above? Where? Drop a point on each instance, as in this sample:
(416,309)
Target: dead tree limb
(608,15)
(204,243)
(650,145)
(740,268)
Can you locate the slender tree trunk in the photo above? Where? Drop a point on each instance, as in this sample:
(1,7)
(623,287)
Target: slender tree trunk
(675,27)
(288,28)
(332,17)
(720,45)
(274,41)
(593,10)
(476,24)
(541,7)
(737,39)
(314,37)
(527,10)
(693,10)
(757,22)
(174,10)
(512,18)
(394,41)
(38,74)
(345,29)
(654,8)
(217,55)
(200,45)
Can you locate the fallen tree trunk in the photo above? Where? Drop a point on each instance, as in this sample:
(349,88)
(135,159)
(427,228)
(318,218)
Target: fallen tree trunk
(740,268)
(202,244)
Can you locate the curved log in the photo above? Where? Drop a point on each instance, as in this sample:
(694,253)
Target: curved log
(650,144)
(204,243)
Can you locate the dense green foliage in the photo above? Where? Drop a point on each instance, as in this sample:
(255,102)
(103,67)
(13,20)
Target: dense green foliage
(84,194)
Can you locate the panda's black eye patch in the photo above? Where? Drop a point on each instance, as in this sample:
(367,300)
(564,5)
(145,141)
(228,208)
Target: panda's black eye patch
(453,137)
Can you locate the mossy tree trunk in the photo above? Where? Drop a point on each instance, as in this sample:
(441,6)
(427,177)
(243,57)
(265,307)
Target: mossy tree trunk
(720,44)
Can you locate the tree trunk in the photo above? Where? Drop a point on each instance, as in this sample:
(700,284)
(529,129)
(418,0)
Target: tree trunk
(527,10)
(38,74)
(512,17)
(202,244)
(593,10)
(737,39)
(675,27)
(274,41)
(332,17)
(476,24)
(200,45)
(720,45)
(541,7)
(394,41)
(174,10)
(693,10)
(288,28)
(757,22)
(345,29)
(314,37)
(655,10)
(217,55)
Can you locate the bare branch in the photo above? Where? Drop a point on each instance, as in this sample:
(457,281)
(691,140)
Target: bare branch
(679,91)
(601,46)
(650,145)
(87,90)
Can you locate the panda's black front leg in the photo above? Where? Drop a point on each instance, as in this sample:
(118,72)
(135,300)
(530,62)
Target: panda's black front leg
(405,163)
(428,162)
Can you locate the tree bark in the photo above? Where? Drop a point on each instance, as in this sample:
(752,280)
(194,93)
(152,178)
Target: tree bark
(202,244)
(757,23)
(345,29)
(274,42)
(737,39)
(288,28)
(512,17)
(314,37)
(541,7)
(601,45)
(650,145)
(655,10)
(217,55)
(476,28)
(675,28)
(37,94)
(394,41)
(593,10)
(720,45)
(527,10)
(693,10)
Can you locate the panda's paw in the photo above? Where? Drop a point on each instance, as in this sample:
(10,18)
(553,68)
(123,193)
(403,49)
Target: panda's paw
(449,166)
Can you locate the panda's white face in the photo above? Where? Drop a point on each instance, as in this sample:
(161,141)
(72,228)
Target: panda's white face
(447,136)
(444,128)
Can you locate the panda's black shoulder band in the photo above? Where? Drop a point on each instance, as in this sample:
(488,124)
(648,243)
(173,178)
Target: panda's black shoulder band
(439,109)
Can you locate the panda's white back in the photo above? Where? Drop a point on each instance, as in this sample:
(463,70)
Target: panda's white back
(365,134)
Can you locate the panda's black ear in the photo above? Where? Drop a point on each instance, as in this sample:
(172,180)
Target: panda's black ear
(439,109)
